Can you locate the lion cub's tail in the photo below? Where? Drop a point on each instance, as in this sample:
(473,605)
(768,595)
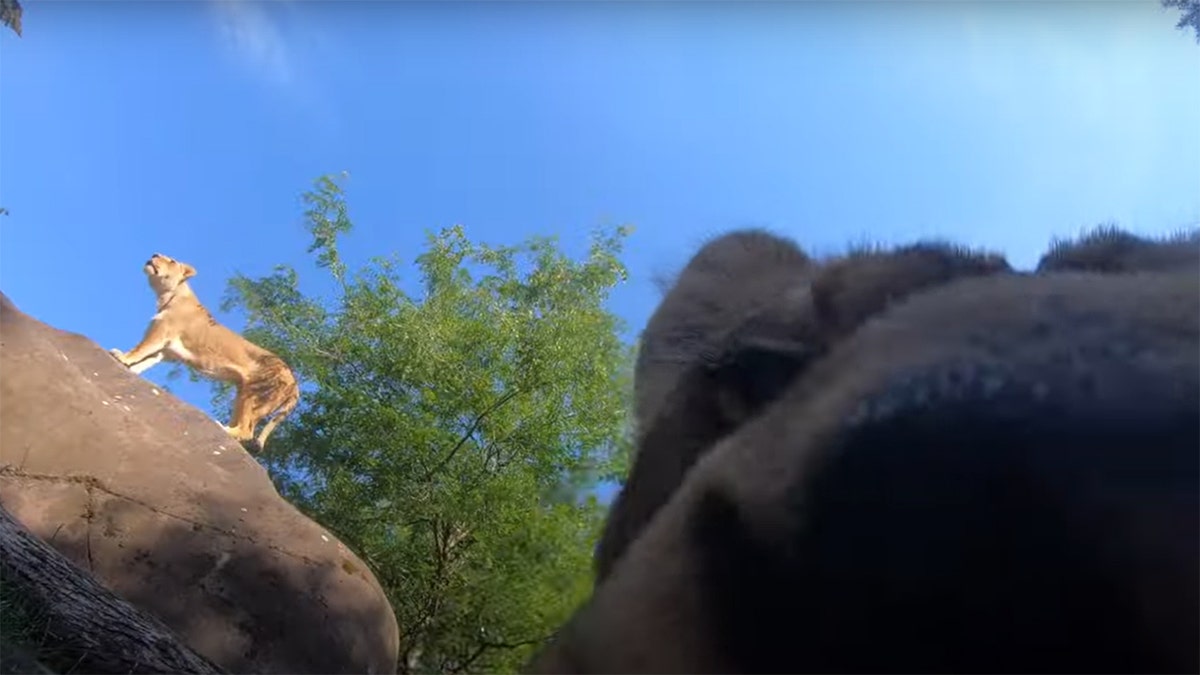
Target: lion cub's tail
(290,398)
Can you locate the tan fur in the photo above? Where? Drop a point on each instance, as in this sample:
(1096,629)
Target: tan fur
(183,331)
(1113,251)
(994,474)
(722,353)
(729,279)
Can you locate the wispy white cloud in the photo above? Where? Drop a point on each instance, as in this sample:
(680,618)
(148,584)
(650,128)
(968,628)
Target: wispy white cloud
(255,38)
(273,41)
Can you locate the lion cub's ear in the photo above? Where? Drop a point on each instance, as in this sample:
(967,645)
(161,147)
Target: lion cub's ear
(188,271)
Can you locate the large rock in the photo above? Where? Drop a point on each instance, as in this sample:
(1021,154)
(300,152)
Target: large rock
(170,513)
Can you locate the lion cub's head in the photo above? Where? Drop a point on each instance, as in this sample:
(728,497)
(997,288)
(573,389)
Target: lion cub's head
(166,274)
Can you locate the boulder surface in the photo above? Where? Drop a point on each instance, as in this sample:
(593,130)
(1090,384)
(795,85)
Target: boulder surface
(167,511)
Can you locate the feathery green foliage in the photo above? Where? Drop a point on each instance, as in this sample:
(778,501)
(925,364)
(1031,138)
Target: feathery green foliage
(10,15)
(1189,14)
(448,436)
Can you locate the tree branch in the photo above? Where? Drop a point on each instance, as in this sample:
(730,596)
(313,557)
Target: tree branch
(85,621)
(485,645)
(508,396)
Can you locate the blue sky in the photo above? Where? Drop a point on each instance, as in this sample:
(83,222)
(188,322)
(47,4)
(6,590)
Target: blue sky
(191,128)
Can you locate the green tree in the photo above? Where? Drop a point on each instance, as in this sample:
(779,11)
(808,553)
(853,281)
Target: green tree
(1190,14)
(449,435)
(10,15)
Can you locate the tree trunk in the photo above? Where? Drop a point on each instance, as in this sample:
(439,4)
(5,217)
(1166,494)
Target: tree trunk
(85,622)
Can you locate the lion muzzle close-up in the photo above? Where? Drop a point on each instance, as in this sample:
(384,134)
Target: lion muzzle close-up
(931,463)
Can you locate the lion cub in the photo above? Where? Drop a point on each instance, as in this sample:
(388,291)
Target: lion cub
(183,331)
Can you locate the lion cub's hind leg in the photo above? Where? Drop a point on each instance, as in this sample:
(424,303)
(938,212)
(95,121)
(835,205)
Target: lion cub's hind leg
(265,398)
(241,425)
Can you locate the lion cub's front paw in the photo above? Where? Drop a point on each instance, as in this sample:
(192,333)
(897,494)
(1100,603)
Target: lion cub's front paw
(118,355)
